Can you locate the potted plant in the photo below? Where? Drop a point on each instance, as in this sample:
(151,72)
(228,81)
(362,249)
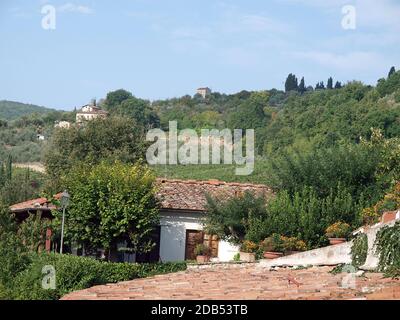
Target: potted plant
(273,247)
(248,251)
(338,232)
(292,245)
(202,253)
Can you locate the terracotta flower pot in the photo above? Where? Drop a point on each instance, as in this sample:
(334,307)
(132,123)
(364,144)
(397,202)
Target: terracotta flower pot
(272,255)
(247,257)
(202,259)
(334,241)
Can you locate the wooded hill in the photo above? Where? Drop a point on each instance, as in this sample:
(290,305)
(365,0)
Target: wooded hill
(11,110)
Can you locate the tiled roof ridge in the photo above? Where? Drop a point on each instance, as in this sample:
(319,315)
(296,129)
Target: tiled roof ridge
(212,182)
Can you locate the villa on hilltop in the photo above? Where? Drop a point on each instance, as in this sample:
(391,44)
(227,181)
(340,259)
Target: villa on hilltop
(204,92)
(90,112)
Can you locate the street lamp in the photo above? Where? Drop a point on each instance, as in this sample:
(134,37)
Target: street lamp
(64,200)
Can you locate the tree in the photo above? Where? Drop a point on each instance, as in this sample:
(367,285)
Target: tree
(13,254)
(111,204)
(302,86)
(392,71)
(330,83)
(115,98)
(139,110)
(338,85)
(389,85)
(291,83)
(320,86)
(232,218)
(114,138)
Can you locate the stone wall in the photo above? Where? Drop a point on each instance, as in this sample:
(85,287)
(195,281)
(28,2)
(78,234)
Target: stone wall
(333,255)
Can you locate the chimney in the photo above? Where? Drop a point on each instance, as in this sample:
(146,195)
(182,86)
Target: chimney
(93,102)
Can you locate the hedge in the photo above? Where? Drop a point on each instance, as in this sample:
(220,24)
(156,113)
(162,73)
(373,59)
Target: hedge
(387,245)
(77,273)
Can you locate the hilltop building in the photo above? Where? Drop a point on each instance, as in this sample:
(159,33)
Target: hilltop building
(204,92)
(62,124)
(90,112)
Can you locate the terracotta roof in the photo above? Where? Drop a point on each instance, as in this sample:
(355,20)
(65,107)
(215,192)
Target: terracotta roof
(174,194)
(191,194)
(39,203)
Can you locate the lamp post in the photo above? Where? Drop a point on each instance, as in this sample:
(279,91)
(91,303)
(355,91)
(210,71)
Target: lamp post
(64,204)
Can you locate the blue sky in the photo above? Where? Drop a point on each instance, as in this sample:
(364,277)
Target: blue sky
(165,48)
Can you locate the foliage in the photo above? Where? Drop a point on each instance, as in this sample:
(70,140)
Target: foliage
(387,245)
(111,204)
(354,168)
(223,172)
(76,273)
(13,254)
(390,202)
(202,250)
(248,246)
(306,216)
(338,230)
(341,268)
(32,232)
(17,185)
(10,110)
(291,83)
(389,85)
(115,98)
(359,250)
(231,218)
(236,257)
(293,244)
(274,243)
(110,139)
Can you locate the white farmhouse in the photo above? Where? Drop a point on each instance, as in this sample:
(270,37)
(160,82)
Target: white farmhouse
(90,112)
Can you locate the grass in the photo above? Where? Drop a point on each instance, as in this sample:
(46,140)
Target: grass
(221,172)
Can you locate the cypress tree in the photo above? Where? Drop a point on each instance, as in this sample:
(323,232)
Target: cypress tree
(392,70)
(338,85)
(8,168)
(291,83)
(302,86)
(330,83)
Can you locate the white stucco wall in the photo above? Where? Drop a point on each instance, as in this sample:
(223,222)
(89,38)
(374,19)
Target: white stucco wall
(173,234)
(226,251)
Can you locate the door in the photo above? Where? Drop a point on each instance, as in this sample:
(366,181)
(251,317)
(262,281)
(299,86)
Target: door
(193,238)
(212,242)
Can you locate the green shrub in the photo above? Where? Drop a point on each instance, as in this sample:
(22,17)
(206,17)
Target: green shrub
(202,250)
(77,273)
(359,250)
(274,243)
(338,230)
(388,247)
(248,246)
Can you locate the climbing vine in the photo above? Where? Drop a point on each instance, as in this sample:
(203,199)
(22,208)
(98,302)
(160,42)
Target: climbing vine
(388,248)
(359,250)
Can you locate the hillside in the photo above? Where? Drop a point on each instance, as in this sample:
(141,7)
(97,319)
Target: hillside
(10,110)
